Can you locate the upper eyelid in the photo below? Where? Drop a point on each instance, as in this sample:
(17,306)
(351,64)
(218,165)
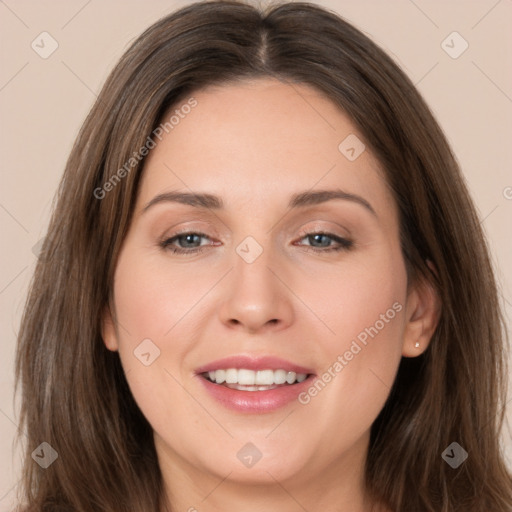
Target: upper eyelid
(192,229)
(323,207)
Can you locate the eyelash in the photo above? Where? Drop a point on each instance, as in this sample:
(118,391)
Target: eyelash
(345,244)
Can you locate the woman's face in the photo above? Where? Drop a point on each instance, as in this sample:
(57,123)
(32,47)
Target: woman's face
(253,295)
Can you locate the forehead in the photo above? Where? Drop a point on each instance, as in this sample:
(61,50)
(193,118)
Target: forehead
(257,141)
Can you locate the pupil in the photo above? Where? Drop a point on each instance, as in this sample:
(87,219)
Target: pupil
(316,237)
(188,238)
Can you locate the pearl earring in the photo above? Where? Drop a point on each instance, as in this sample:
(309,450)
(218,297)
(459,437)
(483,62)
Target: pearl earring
(417,345)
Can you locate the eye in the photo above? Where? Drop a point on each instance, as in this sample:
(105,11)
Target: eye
(188,241)
(321,241)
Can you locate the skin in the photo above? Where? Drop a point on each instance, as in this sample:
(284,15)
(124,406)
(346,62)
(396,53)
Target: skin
(254,144)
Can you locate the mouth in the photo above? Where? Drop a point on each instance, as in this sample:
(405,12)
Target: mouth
(244,379)
(254,385)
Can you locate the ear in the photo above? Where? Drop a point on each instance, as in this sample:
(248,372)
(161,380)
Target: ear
(108,330)
(422,316)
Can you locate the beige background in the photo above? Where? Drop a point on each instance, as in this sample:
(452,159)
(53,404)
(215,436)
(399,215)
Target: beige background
(44,101)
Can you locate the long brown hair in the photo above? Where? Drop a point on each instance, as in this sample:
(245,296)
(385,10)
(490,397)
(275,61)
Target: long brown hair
(74,393)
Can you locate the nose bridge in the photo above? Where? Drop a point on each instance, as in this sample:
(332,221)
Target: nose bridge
(251,267)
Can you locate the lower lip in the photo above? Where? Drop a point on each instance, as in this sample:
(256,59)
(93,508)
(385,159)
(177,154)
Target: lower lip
(255,401)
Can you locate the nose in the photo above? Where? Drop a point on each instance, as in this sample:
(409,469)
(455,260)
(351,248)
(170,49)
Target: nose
(256,298)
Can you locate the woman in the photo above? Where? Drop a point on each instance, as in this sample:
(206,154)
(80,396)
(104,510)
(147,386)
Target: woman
(264,286)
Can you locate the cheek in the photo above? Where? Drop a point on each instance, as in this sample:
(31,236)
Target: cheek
(148,307)
(151,309)
(369,311)
(364,308)
(369,322)
(358,299)
(153,299)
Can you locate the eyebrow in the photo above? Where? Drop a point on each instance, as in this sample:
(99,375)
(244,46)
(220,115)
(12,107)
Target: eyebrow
(299,200)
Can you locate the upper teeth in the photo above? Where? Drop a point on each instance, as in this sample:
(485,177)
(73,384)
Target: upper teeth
(251,377)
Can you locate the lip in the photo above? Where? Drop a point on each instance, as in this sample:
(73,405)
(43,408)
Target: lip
(255,401)
(253,363)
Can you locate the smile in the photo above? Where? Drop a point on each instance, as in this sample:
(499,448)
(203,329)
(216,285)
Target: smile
(254,380)
(254,384)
